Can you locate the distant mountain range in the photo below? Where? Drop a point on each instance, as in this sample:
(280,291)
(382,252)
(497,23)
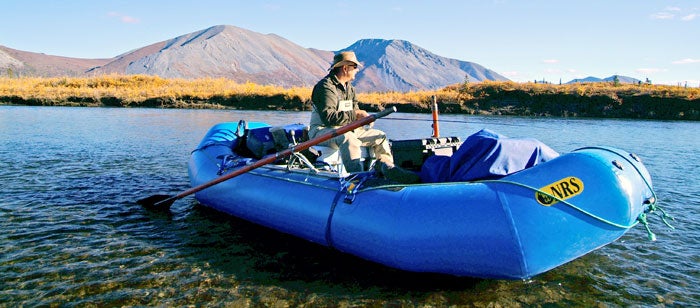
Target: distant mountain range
(621,79)
(243,55)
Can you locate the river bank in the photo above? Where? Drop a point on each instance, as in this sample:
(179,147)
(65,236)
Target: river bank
(593,100)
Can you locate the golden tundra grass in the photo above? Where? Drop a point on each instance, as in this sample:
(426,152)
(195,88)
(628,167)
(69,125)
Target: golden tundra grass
(131,90)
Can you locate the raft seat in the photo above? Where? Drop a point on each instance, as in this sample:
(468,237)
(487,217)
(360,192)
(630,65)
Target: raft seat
(331,157)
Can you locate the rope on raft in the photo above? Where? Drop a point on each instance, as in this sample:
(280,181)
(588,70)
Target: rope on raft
(652,202)
(642,218)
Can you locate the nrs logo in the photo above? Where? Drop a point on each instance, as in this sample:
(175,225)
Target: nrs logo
(559,190)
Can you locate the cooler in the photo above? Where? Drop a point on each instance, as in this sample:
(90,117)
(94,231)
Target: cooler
(410,154)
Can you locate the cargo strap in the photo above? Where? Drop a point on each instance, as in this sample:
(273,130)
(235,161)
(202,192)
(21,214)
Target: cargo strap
(349,186)
(230,162)
(352,184)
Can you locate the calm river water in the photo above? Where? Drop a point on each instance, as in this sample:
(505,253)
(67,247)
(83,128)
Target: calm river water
(71,233)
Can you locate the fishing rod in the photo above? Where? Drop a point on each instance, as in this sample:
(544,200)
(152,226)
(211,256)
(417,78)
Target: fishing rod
(434,110)
(455,121)
(436,122)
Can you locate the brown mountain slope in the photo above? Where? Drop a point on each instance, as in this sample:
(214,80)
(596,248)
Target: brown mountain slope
(43,65)
(119,64)
(229,52)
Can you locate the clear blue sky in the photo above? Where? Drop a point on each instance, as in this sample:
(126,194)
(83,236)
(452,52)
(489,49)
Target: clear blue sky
(522,40)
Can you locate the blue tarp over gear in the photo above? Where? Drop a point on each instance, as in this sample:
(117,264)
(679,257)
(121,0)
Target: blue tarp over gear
(486,155)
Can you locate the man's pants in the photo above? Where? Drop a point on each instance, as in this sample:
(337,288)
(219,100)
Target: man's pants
(351,142)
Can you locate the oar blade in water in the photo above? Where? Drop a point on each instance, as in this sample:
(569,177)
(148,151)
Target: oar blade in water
(157,202)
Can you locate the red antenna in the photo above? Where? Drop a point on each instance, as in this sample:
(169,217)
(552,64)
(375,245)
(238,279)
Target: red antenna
(436,127)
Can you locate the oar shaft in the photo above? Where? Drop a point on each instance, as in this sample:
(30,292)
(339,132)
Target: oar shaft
(299,147)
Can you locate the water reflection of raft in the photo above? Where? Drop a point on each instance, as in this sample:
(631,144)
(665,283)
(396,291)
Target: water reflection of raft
(514,227)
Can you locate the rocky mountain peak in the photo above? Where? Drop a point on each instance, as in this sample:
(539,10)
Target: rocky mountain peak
(242,55)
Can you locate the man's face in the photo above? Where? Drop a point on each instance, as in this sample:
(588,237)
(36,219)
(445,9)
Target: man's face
(352,71)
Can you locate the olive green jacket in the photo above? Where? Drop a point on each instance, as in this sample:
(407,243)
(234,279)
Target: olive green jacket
(333,103)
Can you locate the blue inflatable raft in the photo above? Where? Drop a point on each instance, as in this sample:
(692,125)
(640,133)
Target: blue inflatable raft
(515,226)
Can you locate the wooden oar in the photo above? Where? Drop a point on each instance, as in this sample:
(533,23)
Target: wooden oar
(165,201)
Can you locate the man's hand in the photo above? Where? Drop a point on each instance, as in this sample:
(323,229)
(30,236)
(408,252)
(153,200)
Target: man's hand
(359,114)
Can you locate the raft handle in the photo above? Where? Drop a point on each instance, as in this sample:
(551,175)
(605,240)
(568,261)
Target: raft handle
(618,165)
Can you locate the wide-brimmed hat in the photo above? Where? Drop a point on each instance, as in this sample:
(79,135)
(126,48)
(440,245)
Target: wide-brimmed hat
(344,58)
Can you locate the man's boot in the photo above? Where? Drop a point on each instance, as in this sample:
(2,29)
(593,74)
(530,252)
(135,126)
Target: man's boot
(397,174)
(353,166)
